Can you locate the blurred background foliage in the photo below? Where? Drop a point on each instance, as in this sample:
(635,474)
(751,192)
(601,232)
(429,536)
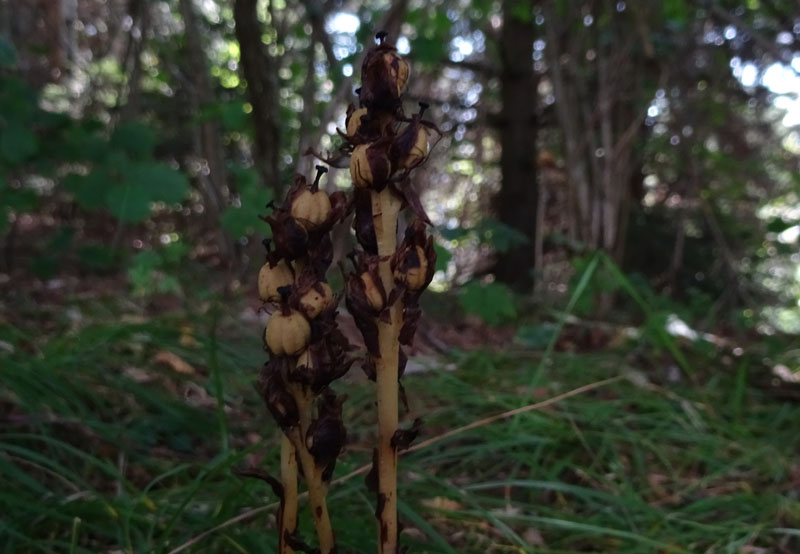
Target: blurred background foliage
(664,135)
(612,173)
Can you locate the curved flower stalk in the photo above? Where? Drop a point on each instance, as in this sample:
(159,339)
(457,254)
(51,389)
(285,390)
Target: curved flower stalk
(307,353)
(383,292)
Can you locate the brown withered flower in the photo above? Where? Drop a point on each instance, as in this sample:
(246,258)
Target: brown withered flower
(370,166)
(414,263)
(272,389)
(362,222)
(366,299)
(326,436)
(289,236)
(384,76)
(323,362)
(410,147)
(353,120)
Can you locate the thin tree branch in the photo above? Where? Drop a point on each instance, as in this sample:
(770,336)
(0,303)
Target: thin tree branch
(784,55)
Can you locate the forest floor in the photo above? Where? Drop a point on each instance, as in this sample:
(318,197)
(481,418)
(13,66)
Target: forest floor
(121,431)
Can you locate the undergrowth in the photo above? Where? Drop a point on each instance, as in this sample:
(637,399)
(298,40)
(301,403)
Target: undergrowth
(109,443)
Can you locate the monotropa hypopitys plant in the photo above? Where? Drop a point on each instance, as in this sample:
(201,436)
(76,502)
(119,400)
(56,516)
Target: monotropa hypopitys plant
(308,352)
(383,292)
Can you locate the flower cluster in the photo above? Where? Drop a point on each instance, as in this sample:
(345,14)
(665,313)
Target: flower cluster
(382,293)
(307,350)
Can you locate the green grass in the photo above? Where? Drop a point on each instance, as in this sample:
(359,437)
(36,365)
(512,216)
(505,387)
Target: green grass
(101,450)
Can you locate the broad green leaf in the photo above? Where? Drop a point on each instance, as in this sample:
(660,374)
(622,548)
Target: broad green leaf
(97,256)
(144,184)
(83,143)
(134,138)
(141,272)
(499,236)
(174,253)
(233,116)
(18,101)
(779,225)
(18,200)
(8,54)
(242,219)
(675,12)
(88,190)
(443,257)
(149,271)
(456,233)
(164,183)
(537,336)
(129,202)
(521,11)
(429,50)
(494,303)
(17,143)
(45,266)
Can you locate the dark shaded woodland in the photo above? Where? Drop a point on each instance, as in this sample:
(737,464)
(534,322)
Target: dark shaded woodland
(615,204)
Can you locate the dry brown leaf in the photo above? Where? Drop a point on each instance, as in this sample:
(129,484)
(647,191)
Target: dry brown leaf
(196,396)
(187,339)
(533,537)
(442,503)
(138,375)
(656,482)
(178,364)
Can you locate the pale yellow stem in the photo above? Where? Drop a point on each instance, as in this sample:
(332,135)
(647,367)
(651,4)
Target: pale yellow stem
(385,207)
(316,488)
(287,518)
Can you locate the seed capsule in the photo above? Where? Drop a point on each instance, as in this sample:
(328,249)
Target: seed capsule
(372,292)
(287,333)
(271,278)
(354,121)
(369,166)
(316,300)
(418,151)
(398,70)
(413,268)
(311,209)
(384,75)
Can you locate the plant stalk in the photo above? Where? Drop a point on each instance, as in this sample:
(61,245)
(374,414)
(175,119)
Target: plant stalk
(313,475)
(287,517)
(385,207)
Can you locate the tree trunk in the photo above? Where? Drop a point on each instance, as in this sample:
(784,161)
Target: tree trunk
(210,142)
(259,70)
(516,203)
(139,11)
